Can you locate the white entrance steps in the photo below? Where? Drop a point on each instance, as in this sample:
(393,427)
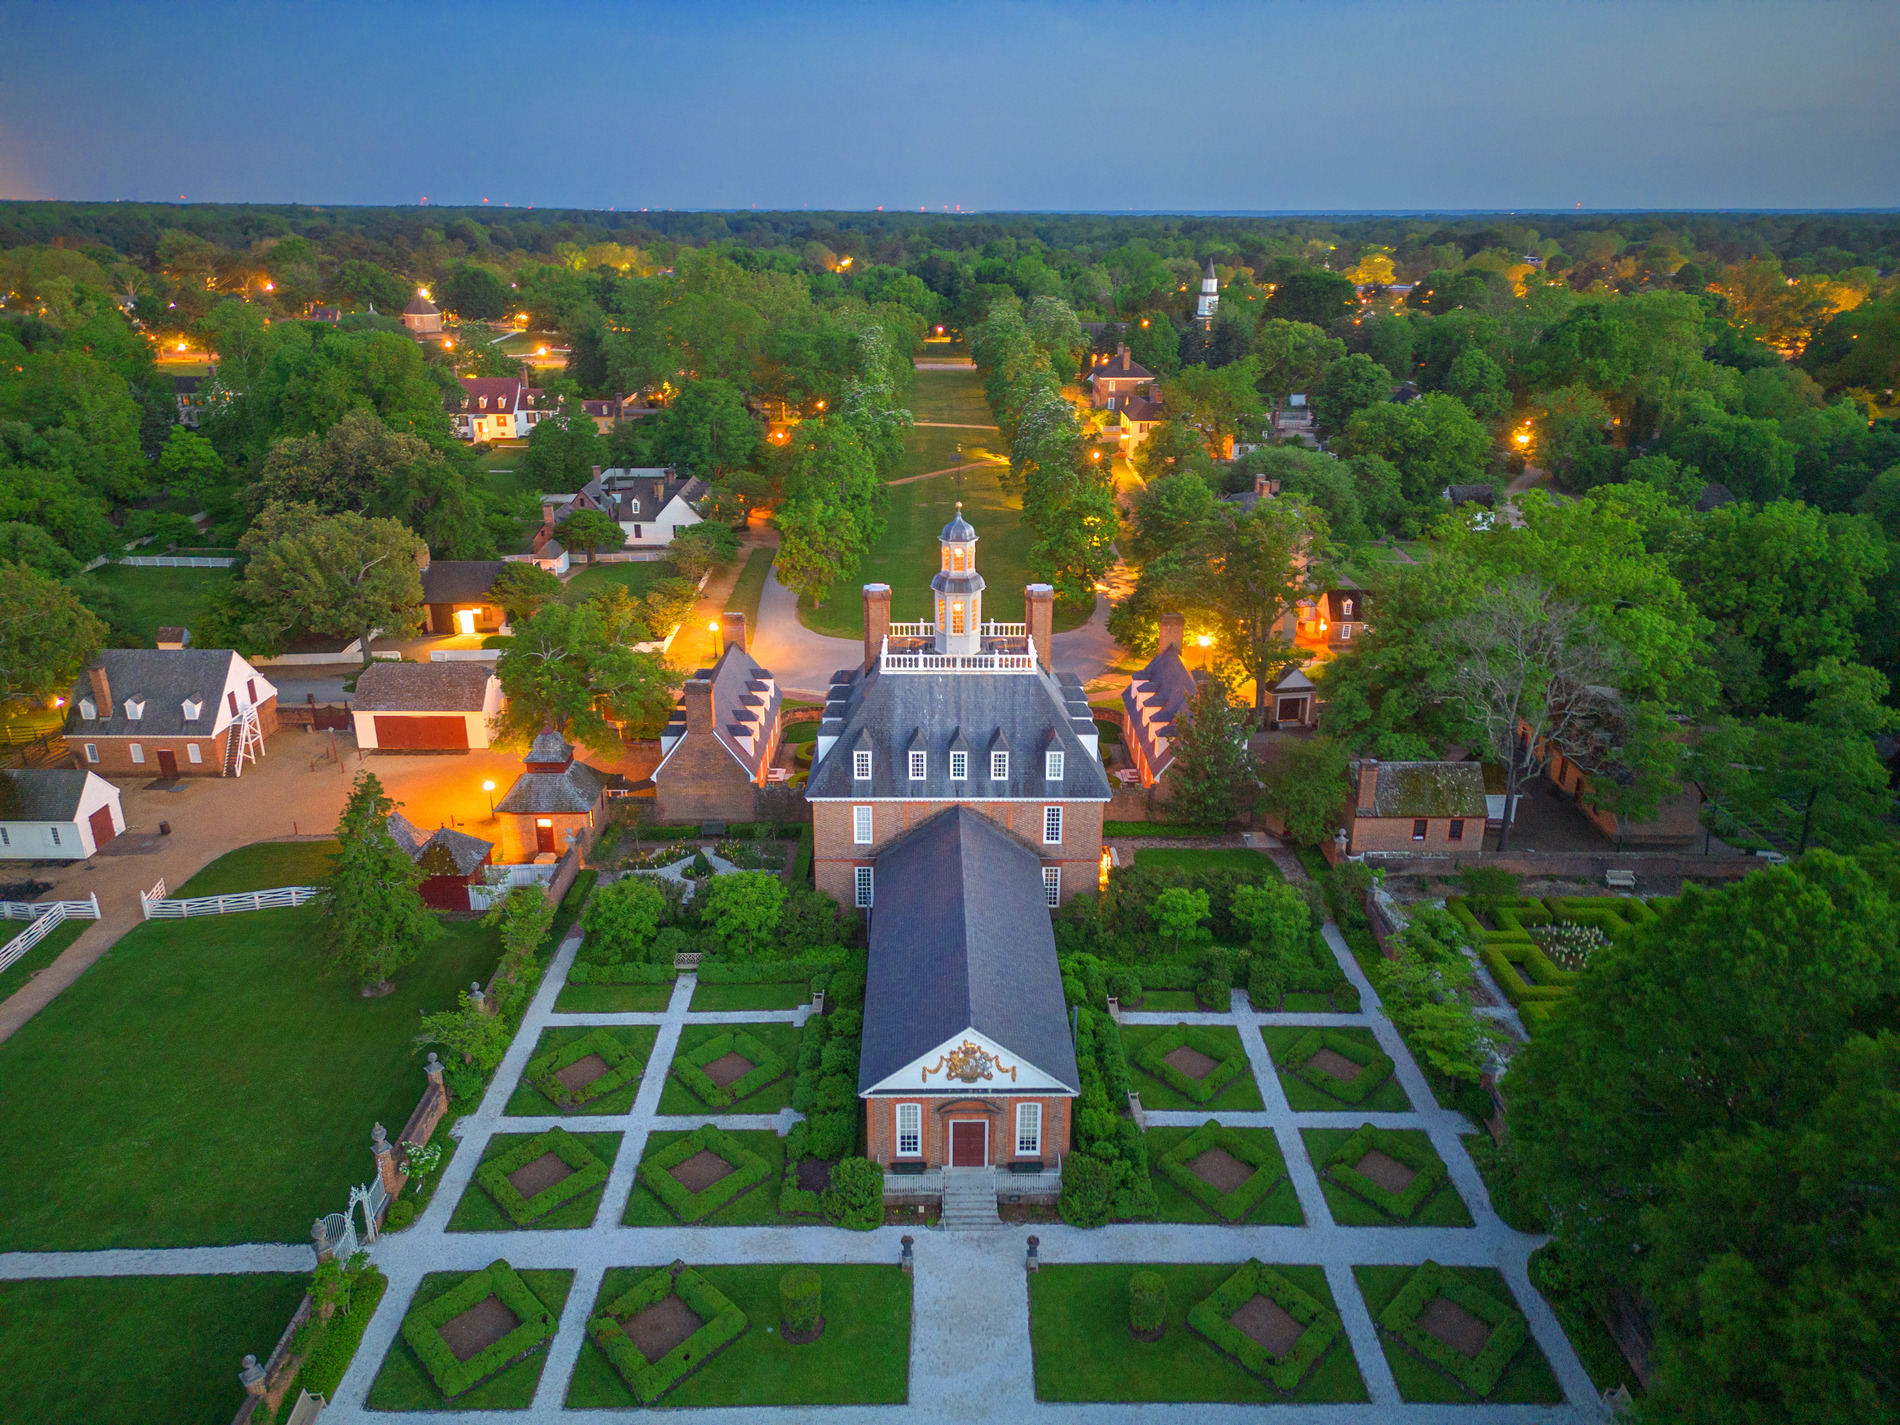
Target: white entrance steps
(969,1200)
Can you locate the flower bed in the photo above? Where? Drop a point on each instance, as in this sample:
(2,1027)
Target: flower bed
(1569,945)
(1428,1170)
(1235,1203)
(722,1323)
(422,1329)
(1230,1061)
(1213,1318)
(1374,1068)
(1478,1373)
(767,1067)
(588,1173)
(656,1171)
(622,1065)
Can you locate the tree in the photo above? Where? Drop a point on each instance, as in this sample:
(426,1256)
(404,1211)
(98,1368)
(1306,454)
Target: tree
(469,1030)
(189,464)
(1310,295)
(374,918)
(742,909)
(562,453)
(523,917)
(1276,919)
(707,429)
(1293,356)
(590,530)
(1432,442)
(46,636)
(1221,405)
(698,549)
(562,670)
(339,574)
(1485,886)
(474,294)
(1748,456)
(1178,913)
(1423,990)
(1305,786)
(522,588)
(622,918)
(1350,384)
(819,546)
(1211,781)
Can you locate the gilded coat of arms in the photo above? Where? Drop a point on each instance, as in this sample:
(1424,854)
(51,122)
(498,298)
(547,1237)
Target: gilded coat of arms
(969,1064)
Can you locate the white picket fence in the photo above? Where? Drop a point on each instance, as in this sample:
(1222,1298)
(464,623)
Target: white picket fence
(180,561)
(156,907)
(44,915)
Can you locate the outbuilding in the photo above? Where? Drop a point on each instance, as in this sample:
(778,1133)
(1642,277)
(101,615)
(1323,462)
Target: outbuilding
(425,707)
(57,814)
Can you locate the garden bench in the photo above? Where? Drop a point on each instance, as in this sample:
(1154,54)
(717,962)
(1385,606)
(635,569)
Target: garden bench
(1620,880)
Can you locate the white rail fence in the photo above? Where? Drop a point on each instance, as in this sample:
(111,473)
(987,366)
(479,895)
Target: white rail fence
(156,907)
(44,915)
(179,561)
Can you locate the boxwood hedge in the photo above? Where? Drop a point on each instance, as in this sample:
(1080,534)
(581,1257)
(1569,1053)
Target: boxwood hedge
(1375,1068)
(1232,1061)
(749,1169)
(767,1067)
(1212,1318)
(1478,1374)
(622,1064)
(1267,1164)
(1428,1171)
(589,1173)
(724,1324)
(422,1328)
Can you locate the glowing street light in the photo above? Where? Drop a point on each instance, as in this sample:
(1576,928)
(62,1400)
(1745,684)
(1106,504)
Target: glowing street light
(489,787)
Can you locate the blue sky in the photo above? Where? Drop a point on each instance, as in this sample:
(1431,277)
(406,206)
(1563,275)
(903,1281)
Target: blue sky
(1451,104)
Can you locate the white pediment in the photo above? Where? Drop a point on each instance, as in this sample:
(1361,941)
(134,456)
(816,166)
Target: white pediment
(969,1063)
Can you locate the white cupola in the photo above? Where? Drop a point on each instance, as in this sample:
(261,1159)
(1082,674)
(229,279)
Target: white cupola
(959,590)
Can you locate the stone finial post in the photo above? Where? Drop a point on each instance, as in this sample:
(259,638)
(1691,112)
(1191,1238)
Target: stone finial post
(434,1070)
(476,999)
(385,1161)
(320,1241)
(252,1378)
(1033,1262)
(907,1262)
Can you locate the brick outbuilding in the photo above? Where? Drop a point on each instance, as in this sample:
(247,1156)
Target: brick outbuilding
(169,712)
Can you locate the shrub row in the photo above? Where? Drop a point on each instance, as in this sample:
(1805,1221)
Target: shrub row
(724,1323)
(1212,1318)
(625,974)
(332,1344)
(826,1086)
(1428,1171)
(421,1328)
(1479,1374)
(1374,1068)
(690,1068)
(1242,1200)
(770,972)
(1232,1061)
(589,1173)
(1106,1172)
(622,1064)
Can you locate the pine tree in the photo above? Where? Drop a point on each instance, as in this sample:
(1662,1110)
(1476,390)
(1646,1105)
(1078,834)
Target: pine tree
(1212,779)
(376,921)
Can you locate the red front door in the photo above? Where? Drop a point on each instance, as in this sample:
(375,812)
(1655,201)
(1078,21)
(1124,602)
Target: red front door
(167,762)
(544,836)
(969,1144)
(101,824)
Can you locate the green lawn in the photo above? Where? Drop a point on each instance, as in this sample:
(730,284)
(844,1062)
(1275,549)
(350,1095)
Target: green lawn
(1528,1380)
(155,598)
(102,1350)
(1216,858)
(908,554)
(1169,1001)
(1302,1097)
(527,1100)
(1078,1329)
(205,1083)
(1279,1208)
(751,587)
(478,1212)
(788,994)
(782,1038)
(262,867)
(15,976)
(758,1207)
(863,1357)
(404,1384)
(636,579)
(928,448)
(1240,1096)
(950,395)
(614,999)
(1443,1208)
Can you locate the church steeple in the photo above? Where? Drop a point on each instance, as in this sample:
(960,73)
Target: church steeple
(1210,297)
(959,589)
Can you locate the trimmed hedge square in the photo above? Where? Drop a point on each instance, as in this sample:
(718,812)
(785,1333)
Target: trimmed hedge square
(722,1323)
(689,1067)
(1230,1061)
(1211,1317)
(589,1173)
(478,1211)
(1480,1373)
(1428,1170)
(422,1329)
(1374,1067)
(623,1065)
(1269,1169)
(748,1171)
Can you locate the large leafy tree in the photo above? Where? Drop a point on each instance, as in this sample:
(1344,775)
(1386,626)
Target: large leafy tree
(563,670)
(590,530)
(338,574)
(374,918)
(1212,779)
(1315,297)
(1432,442)
(46,636)
(707,430)
(1293,356)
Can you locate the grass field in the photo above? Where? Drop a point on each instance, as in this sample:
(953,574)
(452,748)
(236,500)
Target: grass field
(757,1207)
(110,1349)
(155,598)
(15,976)
(1218,858)
(1302,1097)
(206,1083)
(1279,1208)
(1078,1329)
(262,867)
(931,448)
(955,396)
(784,995)
(527,1101)
(404,1384)
(863,1357)
(613,999)
(636,579)
(1527,1380)
(1443,1208)
(478,1212)
(1240,1096)
(781,1038)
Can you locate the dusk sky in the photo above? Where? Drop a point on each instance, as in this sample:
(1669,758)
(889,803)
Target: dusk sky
(1178,107)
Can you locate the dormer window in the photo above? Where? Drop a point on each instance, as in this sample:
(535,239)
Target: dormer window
(88,709)
(483,403)
(919,762)
(1345,608)
(194,708)
(861,766)
(135,708)
(1052,767)
(999,766)
(959,766)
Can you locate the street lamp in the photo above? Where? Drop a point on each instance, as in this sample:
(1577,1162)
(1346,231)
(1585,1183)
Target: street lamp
(489,787)
(1206,643)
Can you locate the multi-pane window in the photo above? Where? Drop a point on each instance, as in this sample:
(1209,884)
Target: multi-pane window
(1029,1130)
(1052,884)
(861,825)
(959,766)
(863,898)
(138,755)
(1418,829)
(193,753)
(910,1130)
(92,752)
(53,831)
(1345,633)
(999,766)
(1052,766)
(918,763)
(956,618)
(1051,825)
(861,766)
(1457,830)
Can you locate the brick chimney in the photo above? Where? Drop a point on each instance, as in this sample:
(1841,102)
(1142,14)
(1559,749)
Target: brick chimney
(1172,628)
(699,705)
(422,557)
(877,621)
(1040,600)
(101,691)
(732,629)
(1263,487)
(1123,353)
(1368,786)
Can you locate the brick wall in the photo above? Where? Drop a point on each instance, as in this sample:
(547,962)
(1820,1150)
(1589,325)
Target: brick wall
(115,753)
(519,844)
(835,854)
(702,781)
(1394,833)
(940,1112)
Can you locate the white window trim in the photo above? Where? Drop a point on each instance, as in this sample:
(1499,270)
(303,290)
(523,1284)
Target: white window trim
(1345,632)
(138,755)
(92,752)
(863,825)
(1052,884)
(1052,766)
(861,766)
(1052,817)
(916,1111)
(864,887)
(194,754)
(999,766)
(919,766)
(959,766)
(1028,1130)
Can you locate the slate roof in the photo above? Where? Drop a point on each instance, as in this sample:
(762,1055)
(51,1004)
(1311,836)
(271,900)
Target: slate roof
(961,939)
(422,687)
(1114,369)
(420,306)
(47,793)
(164,677)
(1152,699)
(886,712)
(572,792)
(1336,599)
(460,581)
(746,700)
(1415,789)
(1714,495)
(615,491)
(1138,408)
(467,852)
(504,393)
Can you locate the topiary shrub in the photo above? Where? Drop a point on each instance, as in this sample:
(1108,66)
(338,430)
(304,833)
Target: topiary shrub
(1084,1200)
(401,1213)
(1216,992)
(833,1134)
(799,1296)
(1147,1306)
(855,1198)
(835,1091)
(1265,985)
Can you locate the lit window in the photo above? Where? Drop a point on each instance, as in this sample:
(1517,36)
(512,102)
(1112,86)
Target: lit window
(956,561)
(1052,767)
(192,754)
(959,766)
(92,752)
(138,755)
(1051,825)
(918,763)
(956,618)
(1418,830)
(999,766)
(863,899)
(861,766)
(910,1130)
(1345,608)
(1052,884)
(1029,1130)
(861,825)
